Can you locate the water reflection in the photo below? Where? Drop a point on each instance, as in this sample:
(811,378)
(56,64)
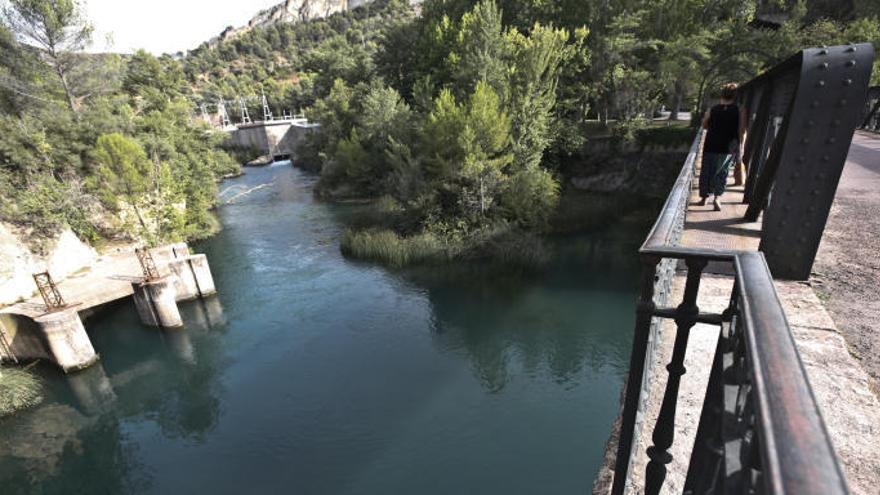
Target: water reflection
(310,373)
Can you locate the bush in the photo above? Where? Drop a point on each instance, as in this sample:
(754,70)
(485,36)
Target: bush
(18,390)
(386,246)
(673,136)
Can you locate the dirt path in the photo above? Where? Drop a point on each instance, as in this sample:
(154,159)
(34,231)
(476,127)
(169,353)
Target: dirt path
(847,270)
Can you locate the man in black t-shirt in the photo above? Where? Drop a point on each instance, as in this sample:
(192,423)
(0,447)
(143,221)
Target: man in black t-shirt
(725,126)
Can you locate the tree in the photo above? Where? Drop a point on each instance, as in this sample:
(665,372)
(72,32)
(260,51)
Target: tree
(56,27)
(123,170)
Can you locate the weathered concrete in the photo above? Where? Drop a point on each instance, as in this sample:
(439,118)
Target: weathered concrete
(67,340)
(114,276)
(192,277)
(156,303)
(279,138)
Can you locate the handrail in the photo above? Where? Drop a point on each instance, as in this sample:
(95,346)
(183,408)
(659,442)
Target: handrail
(663,232)
(796,449)
(774,419)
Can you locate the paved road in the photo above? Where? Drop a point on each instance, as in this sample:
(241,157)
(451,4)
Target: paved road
(847,269)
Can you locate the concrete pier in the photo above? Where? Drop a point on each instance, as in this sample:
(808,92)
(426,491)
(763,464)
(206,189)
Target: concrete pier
(156,303)
(30,332)
(68,342)
(192,277)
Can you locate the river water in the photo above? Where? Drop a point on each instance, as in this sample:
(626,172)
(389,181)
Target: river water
(313,374)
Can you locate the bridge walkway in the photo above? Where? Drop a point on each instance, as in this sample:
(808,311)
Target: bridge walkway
(846,394)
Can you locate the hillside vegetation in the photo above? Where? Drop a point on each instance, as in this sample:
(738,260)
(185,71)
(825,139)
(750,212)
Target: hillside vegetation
(462,119)
(458,119)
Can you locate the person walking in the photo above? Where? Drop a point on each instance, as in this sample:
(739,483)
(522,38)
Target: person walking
(725,125)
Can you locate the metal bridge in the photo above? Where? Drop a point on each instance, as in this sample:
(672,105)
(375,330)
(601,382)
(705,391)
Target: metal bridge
(760,429)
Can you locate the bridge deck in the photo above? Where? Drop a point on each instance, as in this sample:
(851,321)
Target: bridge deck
(108,280)
(725,229)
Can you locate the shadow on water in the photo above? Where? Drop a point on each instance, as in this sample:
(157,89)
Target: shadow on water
(310,373)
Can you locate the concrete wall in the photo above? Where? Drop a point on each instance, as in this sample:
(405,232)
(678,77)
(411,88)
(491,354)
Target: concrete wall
(271,138)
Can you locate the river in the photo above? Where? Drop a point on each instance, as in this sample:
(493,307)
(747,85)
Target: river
(314,374)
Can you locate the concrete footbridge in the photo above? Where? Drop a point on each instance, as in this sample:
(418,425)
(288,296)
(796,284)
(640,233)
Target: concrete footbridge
(49,325)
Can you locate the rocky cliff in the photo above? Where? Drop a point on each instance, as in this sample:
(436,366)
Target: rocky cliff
(293,11)
(66,255)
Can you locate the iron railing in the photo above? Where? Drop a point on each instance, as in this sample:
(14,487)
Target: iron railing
(760,428)
(871,116)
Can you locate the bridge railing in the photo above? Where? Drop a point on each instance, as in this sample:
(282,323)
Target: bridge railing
(760,428)
(871,116)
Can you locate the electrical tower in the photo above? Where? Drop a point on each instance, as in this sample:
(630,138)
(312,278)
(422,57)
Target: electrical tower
(245,116)
(224,115)
(267,112)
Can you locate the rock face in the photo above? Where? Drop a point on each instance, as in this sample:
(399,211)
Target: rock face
(18,263)
(293,11)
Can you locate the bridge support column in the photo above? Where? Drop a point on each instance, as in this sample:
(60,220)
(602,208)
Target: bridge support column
(67,339)
(156,302)
(193,277)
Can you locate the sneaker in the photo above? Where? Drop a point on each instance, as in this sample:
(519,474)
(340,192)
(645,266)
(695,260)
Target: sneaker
(701,202)
(716,204)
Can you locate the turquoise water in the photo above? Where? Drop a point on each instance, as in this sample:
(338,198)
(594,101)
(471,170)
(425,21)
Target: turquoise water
(313,374)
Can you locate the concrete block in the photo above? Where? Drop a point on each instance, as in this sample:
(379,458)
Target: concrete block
(192,277)
(156,303)
(67,340)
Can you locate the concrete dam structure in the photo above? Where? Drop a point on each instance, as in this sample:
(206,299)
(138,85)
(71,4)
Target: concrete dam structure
(49,325)
(279,139)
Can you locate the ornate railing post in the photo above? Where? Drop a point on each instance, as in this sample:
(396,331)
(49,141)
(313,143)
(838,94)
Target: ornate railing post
(644,314)
(664,430)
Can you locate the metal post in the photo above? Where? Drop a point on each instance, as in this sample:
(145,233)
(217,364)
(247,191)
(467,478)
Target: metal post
(267,112)
(49,291)
(245,116)
(644,315)
(224,115)
(148,266)
(664,430)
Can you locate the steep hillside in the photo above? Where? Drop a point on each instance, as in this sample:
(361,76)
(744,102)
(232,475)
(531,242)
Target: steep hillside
(290,11)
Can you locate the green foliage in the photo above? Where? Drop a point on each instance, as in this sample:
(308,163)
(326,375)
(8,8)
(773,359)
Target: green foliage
(19,390)
(387,247)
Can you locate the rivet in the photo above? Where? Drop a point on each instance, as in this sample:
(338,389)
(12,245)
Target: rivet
(843,102)
(823,52)
(835,122)
(816,192)
(851,63)
(851,48)
(791,192)
(821,176)
(803,240)
(796,175)
(810,123)
(802,159)
(807,225)
(831,140)
(815,104)
(823,66)
(847,82)
(812,209)
(826,158)
(805,140)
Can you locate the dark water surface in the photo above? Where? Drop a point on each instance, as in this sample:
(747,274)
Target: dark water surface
(312,374)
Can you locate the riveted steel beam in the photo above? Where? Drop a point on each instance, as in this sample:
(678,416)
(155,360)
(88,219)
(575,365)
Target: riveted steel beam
(797,185)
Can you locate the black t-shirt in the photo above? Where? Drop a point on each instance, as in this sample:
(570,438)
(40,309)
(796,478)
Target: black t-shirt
(723,129)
